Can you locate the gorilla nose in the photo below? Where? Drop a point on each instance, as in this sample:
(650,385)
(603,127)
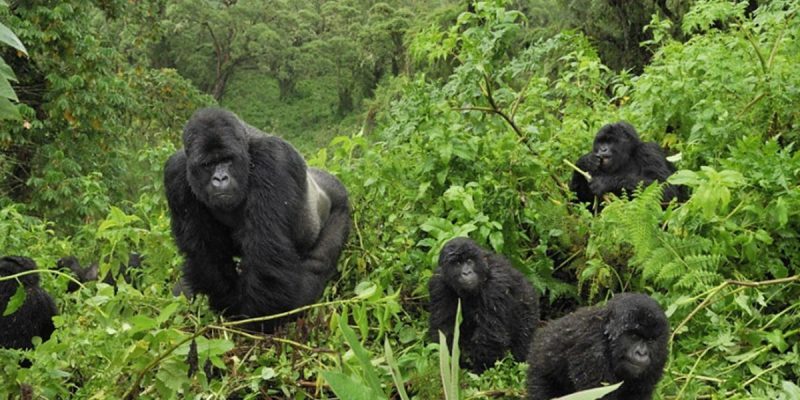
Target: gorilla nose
(467,272)
(220,181)
(641,354)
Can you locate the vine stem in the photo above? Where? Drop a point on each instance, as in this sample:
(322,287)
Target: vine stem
(578,170)
(723,285)
(765,283)
(226,326)
(133,390)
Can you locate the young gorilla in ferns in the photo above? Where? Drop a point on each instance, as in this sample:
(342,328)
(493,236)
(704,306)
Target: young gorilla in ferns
(34,317)
(235,192)
(624,341)
(500,308)
(619,162)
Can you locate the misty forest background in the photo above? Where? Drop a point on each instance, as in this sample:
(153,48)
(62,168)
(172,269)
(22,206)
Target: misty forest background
(442,118)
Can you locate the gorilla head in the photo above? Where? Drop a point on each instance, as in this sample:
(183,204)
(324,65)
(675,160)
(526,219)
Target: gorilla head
(11,265)
(34,316)
(637,331)
(215,142)
(465,266)
(614,144)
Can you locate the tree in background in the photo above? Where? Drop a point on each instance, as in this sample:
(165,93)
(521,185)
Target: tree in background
(87,112)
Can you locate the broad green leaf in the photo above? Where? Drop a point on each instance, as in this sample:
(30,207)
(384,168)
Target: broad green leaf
(394,370)
(591,394)
(362,355)
(346,387)
(9,38)
(16,301)
(684,177)
(775,338)
(6,71)
(366,289)
(6,91)
(8,110)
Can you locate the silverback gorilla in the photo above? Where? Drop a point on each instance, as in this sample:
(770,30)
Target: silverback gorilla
(620,161)
(234,191)
(624,341)
(34,317)
(499,306)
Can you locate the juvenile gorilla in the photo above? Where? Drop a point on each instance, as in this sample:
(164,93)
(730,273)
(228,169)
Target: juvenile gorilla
(234,191)
(620,161)
(34,317)
(500,308)
(624,341)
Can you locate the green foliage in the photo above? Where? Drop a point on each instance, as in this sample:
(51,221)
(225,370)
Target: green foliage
(7,108)
(77,89)
(449,362)
(473,144)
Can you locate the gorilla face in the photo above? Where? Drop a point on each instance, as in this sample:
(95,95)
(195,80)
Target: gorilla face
(614,144)
(637,330)
(634,355)
(465,266)
(218,161)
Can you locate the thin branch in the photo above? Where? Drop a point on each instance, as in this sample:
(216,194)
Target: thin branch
(578,170)
(779,38)
(132,391)
(753,102)
(290,312)
(764,283)
(490,97)
(36,271)
(760,56)
(521,95)
(303,346)
(697,309)
(725,284)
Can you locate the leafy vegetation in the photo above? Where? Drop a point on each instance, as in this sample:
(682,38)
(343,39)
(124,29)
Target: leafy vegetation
(442,120)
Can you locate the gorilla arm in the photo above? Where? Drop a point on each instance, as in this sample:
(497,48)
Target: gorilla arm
(589,163)
(443,303)
(209,267)
(492,336)
(322,258)
(650,165)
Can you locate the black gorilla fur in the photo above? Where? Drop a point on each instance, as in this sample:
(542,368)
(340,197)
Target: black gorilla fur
(234,191)
(34,317)
(624,341)
(499,306)
(620,161)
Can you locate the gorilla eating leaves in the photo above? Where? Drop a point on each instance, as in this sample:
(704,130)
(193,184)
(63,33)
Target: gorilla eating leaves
(499,306)
(235,192)
(620,161)
(624,341)
(35,316)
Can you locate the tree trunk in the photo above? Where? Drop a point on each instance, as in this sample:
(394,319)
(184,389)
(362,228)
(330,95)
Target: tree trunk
(345,101)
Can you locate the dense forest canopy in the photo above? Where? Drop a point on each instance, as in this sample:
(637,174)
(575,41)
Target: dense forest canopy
(442,118)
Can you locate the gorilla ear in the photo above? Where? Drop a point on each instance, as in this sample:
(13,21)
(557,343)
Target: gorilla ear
(612,328)
(628,131)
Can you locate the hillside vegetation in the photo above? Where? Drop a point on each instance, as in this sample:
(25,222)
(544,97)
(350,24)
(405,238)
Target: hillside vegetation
(442,120)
